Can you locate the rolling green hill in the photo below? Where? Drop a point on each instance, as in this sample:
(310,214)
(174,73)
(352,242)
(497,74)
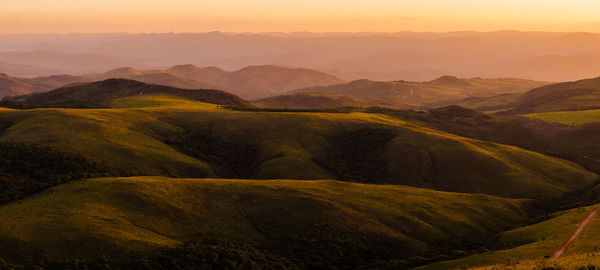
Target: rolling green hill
(568,96)
(306,224)
(186,138)
(578,95)
(390,206)
(310,101)
(572,118)
(101,94)
(491,104)
(442,91)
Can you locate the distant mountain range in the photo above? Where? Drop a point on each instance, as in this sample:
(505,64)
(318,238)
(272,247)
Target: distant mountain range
(250,82)
(543,56)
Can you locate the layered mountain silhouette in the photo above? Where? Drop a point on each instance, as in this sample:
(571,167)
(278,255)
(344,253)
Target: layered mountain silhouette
(250,82)
(257,81)
(412,56)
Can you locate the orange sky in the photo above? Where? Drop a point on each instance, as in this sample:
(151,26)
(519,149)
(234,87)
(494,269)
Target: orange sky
(61,16)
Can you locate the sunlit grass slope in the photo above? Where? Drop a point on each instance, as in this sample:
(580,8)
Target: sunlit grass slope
(494,103)
(569,118)
(311,101)
(103,136)
(186,138)
(119,217)
(161,101)
(535,241)
(579,261)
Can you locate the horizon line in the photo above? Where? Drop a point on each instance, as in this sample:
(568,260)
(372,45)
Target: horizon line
(298,32)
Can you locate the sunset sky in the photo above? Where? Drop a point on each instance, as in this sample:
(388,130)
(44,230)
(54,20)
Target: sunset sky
(61,16)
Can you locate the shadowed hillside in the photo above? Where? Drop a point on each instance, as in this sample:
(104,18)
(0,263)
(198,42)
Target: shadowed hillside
(102,94)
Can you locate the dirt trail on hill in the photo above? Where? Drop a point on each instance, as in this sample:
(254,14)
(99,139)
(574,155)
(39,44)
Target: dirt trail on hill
(576,234)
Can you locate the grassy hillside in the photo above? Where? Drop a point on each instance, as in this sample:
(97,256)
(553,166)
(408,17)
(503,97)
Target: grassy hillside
(307,223)
(573,143)
(580,261)
(442,91)
(573,118)
(187,138)
(26,169)
(310,101)
(101,94)
(534,242)
(491,104)
(568,96)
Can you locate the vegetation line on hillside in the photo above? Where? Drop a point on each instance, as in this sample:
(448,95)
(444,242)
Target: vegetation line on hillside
(576,234)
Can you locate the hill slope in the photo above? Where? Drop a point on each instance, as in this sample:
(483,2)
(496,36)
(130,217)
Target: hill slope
(578,95)
(567,96)
(10,86)
(102,94)
(534,242)
(193,139)
(444,90)
(309,101)
(304,223)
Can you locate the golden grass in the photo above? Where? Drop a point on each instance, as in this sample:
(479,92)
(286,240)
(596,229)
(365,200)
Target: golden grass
(572,118)
(129,139)
(120,216)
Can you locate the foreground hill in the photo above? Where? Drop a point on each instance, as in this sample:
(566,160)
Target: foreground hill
(188,138)
(250,82)
(296,224)
(102,94)
(568,96)
(444,90)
